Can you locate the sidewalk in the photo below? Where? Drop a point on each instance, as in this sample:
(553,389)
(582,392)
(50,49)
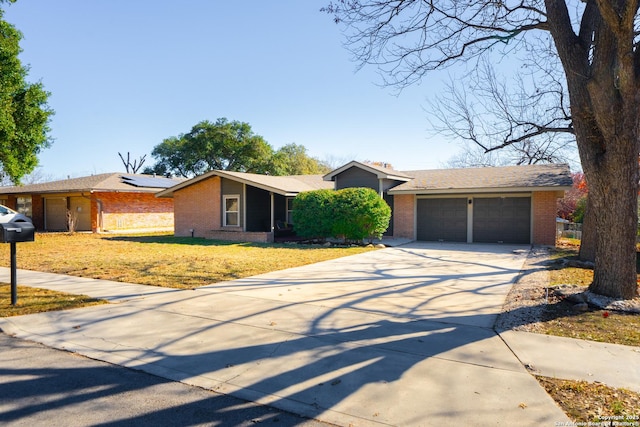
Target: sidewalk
(293,340)
(572,359)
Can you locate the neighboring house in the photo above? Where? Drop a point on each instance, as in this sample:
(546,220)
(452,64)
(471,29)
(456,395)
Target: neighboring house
(515,204)
(109,202)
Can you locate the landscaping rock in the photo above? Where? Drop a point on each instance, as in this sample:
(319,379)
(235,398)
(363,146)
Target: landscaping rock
(572,293)
(614,304)
(578,298)
(580,308)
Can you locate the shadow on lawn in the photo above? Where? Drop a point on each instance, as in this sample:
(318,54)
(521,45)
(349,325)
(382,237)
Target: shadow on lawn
(201,241)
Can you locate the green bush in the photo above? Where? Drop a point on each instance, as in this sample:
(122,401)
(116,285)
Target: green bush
(578,213)
(360,213)
(313,214)
(351,214)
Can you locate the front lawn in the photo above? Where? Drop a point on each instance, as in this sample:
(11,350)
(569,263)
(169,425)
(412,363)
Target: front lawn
(162,260)
(36,300)
(593,324)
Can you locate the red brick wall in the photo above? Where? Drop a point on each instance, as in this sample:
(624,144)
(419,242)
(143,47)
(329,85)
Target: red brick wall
(404,216)
(241,236)
(12,202)
(37,211)
(544,217)
(197,208)
(131,211)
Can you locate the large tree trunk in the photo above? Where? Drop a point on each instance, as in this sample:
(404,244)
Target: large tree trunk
(588,238)
(613,191)
(602,79)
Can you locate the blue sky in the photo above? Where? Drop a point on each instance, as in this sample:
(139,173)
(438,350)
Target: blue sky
(126,74)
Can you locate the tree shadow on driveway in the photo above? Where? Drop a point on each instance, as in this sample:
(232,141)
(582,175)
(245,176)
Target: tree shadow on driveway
(396,338)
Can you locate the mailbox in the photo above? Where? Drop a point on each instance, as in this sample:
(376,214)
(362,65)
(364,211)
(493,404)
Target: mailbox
(11,232)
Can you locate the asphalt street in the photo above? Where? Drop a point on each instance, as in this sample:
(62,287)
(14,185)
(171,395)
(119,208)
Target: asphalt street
(41,386)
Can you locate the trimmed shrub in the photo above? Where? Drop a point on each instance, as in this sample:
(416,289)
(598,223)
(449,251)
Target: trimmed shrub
(360,213)
(313,214)
(351,214)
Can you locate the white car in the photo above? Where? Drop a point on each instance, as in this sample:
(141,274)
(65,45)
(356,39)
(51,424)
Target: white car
(9,215)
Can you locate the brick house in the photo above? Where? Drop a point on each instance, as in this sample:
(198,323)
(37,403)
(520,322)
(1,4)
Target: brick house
(109,202)
(514,204)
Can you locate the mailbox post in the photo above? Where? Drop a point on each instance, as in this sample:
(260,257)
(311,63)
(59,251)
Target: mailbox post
(14,274)
(12,233)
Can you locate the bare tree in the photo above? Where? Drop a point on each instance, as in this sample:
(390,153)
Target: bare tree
(527,122)
(132,167)
(595,42)
(35,177)
(474,157)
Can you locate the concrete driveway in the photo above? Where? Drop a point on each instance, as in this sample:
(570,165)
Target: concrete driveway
(400,336)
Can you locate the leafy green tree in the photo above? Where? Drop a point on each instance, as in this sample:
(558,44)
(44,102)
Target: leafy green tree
(313,214)
(292,159)
(232,146)
(24,113)
(222,145)
(581,206)
(360,213)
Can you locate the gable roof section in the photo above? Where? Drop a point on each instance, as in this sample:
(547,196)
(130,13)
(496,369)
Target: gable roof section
(379,171)
(555,177)
(440,181)
(284,185)
(105,182)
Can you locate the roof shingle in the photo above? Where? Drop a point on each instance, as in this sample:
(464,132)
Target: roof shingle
(101,182)
(555,176)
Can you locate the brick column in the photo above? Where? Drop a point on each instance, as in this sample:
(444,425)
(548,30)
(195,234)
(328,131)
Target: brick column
(404,216)
(544,217)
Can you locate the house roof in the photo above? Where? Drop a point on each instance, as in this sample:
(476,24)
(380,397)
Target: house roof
(487,179)
(285,185)
(380,171)
(105,182)
(483,180)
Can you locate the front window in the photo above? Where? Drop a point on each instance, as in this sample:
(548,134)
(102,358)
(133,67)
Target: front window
(231,211)
(24,205)
(289,210)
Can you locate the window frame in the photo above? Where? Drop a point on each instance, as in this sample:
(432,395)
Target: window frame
(289,209)
(226,212)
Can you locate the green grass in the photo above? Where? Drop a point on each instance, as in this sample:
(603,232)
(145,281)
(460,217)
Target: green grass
(36,300)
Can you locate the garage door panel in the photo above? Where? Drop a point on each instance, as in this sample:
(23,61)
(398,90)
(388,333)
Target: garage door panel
(502,219)
(442,219)
(56,214)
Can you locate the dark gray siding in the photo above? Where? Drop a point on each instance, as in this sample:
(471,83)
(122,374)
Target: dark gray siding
(356,177)
(258,209)
(280,207)
(231,187)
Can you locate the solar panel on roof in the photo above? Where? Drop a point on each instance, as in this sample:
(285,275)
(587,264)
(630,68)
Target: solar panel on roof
(149,181)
